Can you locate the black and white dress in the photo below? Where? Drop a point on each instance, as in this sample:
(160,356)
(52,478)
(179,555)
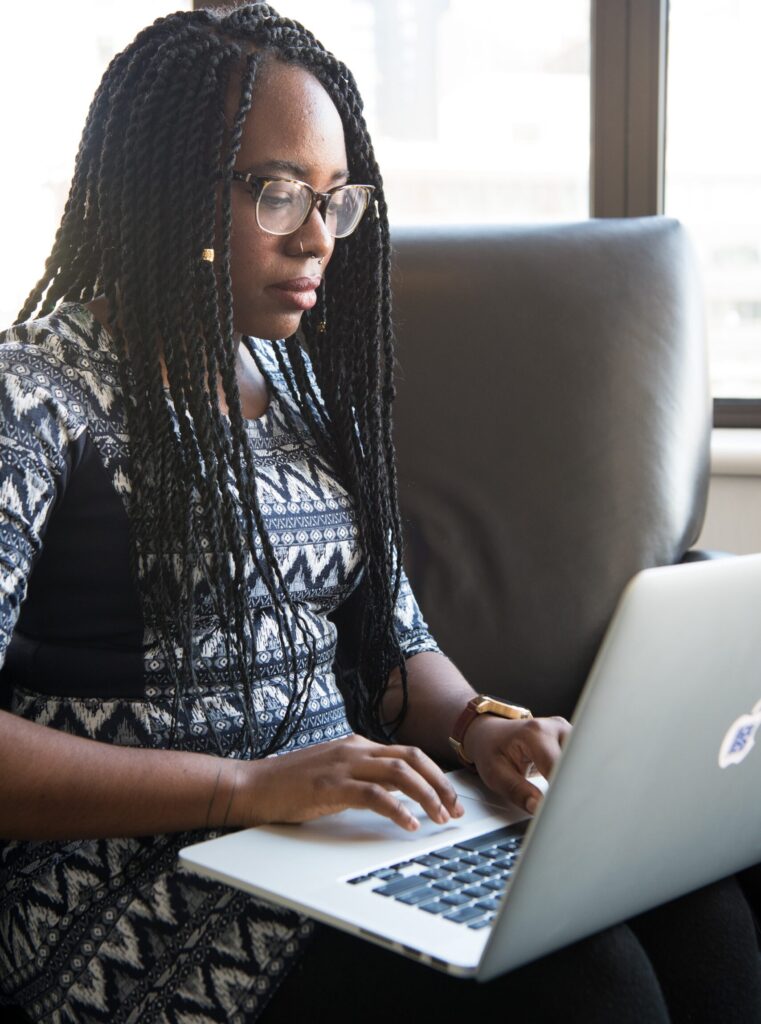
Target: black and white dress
(111,929)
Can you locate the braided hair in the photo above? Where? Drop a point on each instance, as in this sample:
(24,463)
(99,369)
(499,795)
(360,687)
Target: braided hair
(155,153)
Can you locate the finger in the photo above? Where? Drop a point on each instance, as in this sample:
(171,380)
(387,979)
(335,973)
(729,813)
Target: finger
(564,728)
(430,771)
(507,780)
(397,773)
(537,744)
(374,797)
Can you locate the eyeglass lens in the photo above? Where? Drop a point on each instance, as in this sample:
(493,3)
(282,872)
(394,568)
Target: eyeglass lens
(282,207)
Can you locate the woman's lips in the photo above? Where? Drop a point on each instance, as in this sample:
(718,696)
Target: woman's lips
(298,293)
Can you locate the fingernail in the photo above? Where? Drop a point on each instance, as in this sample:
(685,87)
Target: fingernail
(458,810)
(531,804)
(443,814)
(412,823)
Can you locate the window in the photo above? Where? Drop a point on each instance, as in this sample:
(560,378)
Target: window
(472,121)
(50,64)
(474,118)
(713,174)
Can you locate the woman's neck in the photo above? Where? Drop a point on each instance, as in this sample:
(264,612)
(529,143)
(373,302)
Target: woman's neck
(254,395)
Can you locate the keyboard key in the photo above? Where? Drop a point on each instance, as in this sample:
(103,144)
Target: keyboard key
(474,860)
(490,904)
(499,835)
(416,896)
(475,891)
(511,846)
(434,873)
(483,923)
(436,907)
(428,860)
(455,899)
(496,884)
(452,866)
(447,885)
(486,872)
(399,885)
(463,914)
(446,853)
(383,873)
(504,862)
(359,879)
(467,877)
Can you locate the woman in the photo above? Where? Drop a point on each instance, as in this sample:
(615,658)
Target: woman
(185,501)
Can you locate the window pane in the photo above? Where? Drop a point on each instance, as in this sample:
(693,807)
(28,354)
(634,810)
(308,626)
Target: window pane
(713,174)
(473,119)
(52,57)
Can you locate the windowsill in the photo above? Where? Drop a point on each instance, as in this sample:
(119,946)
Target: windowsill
(735,451)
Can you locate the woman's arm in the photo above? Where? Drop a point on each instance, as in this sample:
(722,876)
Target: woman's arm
(57,786)
(502,750)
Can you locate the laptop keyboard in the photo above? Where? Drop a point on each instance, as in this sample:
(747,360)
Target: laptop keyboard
(463,883)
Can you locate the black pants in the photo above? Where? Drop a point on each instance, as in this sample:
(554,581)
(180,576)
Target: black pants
(696,959)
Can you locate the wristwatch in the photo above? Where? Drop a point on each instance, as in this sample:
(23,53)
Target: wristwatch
(483,704)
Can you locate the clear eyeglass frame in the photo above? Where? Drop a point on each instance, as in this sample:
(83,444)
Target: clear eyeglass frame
(349,202)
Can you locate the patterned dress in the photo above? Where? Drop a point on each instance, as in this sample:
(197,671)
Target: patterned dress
(111,929)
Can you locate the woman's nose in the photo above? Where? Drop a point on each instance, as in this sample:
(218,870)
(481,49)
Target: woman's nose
(315,237)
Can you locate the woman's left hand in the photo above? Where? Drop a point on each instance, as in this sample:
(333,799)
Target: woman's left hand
(504,750)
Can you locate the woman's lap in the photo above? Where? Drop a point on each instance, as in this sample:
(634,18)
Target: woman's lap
(695,959)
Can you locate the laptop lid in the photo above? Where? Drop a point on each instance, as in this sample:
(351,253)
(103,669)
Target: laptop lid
(657,792)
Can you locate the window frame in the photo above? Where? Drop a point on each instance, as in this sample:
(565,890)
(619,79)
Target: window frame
(629,55)
(629,51)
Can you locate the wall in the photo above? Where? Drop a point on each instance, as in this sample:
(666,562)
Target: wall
(733,518)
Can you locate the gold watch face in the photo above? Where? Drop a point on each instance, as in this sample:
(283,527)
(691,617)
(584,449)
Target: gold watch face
(495,706)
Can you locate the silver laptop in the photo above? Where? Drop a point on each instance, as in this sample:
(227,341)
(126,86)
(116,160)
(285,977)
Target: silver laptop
(656,794)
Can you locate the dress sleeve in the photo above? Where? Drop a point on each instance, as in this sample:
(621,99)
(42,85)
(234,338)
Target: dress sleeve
(36,434)
(411,628)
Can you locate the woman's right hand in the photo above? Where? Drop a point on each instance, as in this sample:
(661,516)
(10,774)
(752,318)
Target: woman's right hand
(328,777)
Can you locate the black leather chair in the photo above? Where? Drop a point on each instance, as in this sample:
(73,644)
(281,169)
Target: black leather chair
(552,430)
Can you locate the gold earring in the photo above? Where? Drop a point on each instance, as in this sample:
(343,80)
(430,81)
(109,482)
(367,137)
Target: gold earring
(207,255)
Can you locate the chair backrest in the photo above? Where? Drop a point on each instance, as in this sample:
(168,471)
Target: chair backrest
(552,431)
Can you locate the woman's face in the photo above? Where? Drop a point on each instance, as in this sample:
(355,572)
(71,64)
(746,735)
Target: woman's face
(293,130)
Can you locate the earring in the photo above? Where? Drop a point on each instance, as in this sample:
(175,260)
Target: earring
(301,246)
(207,255)
(319,261)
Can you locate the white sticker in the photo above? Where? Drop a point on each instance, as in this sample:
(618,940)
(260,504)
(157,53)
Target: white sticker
(740,738)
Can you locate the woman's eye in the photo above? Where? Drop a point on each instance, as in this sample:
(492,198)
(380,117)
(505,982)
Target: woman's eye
(276,200)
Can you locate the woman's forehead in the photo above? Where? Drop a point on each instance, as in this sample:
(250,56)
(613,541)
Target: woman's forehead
(292,119)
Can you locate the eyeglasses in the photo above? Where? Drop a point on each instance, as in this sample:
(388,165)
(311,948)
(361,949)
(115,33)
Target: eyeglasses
(283,204)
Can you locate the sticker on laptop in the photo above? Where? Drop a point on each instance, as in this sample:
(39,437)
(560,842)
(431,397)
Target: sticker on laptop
(740,738)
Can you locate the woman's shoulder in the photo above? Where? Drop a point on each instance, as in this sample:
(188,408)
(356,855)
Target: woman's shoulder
(65,355)
(68,335)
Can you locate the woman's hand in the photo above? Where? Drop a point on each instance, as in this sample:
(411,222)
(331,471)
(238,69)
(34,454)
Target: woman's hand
(329,777)
(504,750)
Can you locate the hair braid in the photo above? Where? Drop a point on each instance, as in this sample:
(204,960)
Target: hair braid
(154,164)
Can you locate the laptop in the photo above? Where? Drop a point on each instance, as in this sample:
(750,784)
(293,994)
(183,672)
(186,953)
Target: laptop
(655,794)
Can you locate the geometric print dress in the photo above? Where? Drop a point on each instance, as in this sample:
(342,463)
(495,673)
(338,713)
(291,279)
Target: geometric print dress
(112,930)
